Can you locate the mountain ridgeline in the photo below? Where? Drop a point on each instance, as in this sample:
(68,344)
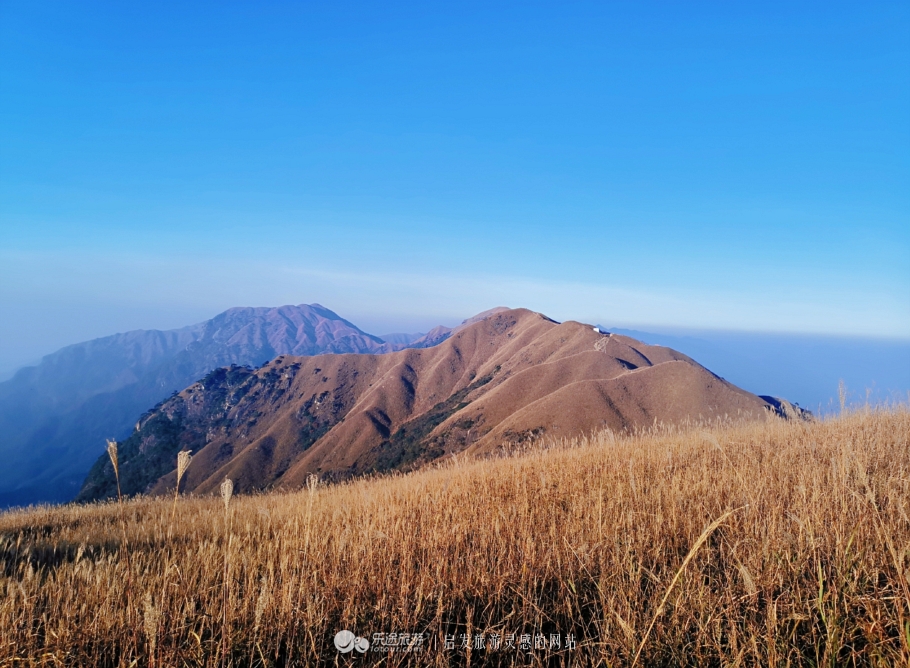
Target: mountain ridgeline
(507,377)
(55,417)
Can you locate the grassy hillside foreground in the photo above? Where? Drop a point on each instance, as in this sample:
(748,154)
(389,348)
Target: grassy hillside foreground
(808,564)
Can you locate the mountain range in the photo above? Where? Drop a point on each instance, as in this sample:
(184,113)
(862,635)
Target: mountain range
(55,417)
(506,377)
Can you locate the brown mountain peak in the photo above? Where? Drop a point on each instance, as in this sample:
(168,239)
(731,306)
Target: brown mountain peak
(509,376)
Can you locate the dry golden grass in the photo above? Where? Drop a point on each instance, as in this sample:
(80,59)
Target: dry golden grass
(590,538)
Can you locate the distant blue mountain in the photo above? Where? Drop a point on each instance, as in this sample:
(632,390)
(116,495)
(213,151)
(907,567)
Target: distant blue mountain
(55,416)
(805,369)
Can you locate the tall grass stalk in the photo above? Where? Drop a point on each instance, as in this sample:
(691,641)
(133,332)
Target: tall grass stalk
(150,619)
(660,608)
(227,490)
(124,546)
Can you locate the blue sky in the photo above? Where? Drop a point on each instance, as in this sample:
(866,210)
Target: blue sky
(737,166)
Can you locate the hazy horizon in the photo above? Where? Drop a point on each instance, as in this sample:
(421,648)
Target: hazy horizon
(379,326)
(804,368)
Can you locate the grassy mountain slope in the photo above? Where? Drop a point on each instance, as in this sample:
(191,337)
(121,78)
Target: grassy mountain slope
(806,568)
(511,377)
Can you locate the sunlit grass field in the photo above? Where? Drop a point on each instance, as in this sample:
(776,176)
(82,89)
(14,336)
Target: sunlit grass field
(774,543)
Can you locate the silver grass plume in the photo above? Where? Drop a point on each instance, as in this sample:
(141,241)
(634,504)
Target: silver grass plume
(183,463)
(227,489)
(112,453)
